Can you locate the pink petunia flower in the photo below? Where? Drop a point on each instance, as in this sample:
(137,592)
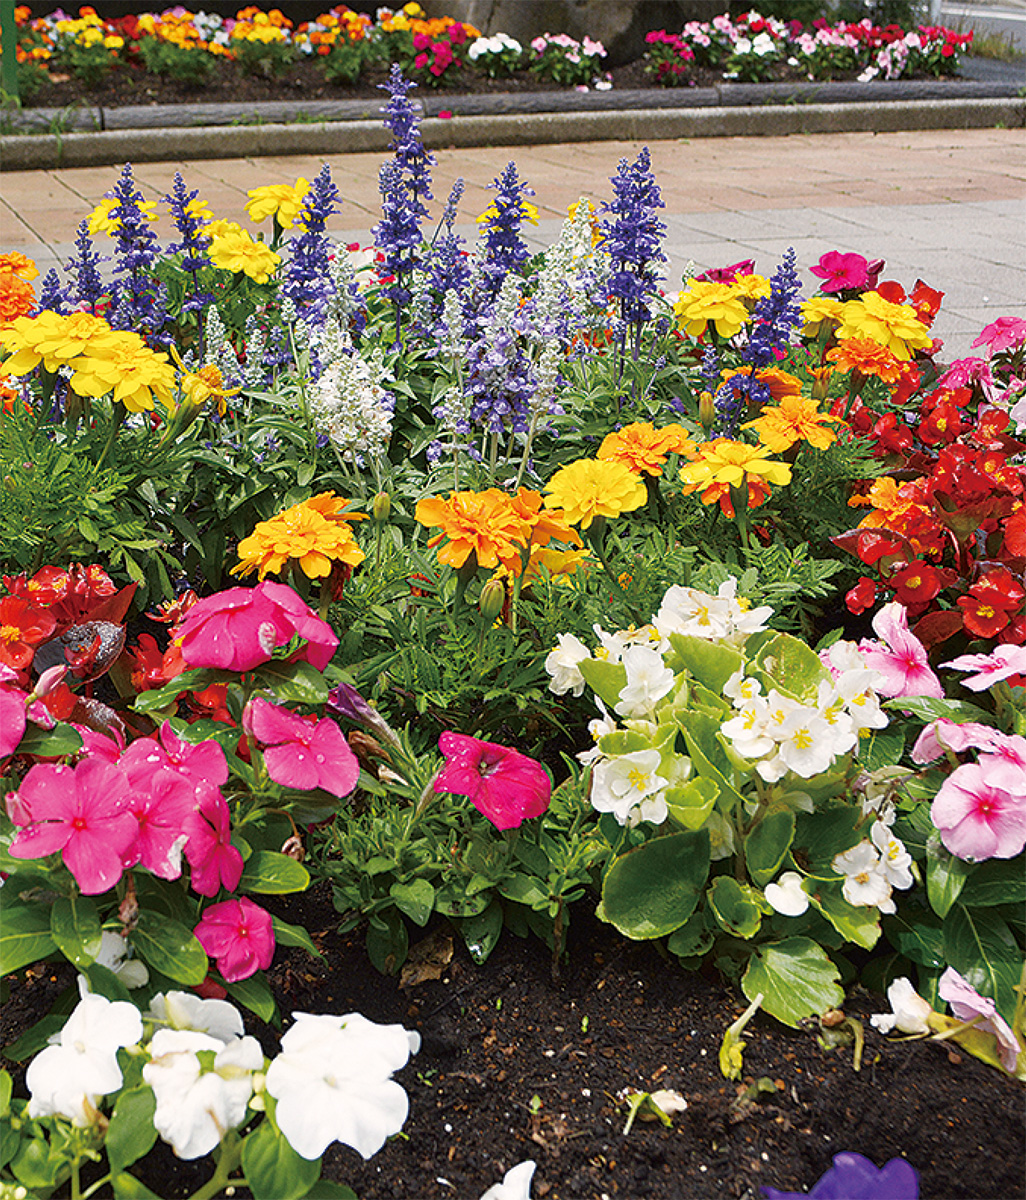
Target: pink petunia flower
(83,812)
(161,811)
(727,274)
(239,628)
(1003,334)
(12,719)
(301,753)
(967,1003)
(1004,661)
(505,786)
(976,819)
(239,935)
(900,656)
(215,862)
(841,272)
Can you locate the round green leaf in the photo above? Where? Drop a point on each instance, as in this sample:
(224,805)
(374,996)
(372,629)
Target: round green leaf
(767,844)
(652,890)
(416,899)
(736,912)
(796,980)
(131,1134)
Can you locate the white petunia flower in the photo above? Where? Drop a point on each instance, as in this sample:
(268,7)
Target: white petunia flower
(563,664)
(787,896)
(909,1011)
(183,1010)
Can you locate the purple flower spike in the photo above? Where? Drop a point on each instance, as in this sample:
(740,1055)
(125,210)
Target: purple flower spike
(854,1177)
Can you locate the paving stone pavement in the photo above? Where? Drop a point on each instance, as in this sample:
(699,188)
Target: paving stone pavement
(947,206)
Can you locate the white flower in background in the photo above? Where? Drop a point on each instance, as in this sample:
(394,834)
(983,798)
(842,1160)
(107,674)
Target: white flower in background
(199,1101)
(183,1010)
(613,645)
(865,884)
(333,1083)
(688,611)
(68,1078)
(563,665)
(353,409)
(909,1011)
(787,896)
(763,44)
(598,728)
(649,679)
(740,689)
(629,787)
(516,1183)
(895,860)
(114,951)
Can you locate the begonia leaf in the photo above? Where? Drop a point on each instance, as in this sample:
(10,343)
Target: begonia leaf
(710,663)
(794,667)
(652,890)
(796,979)
(692,802)
(767,844)
(855,923)
(607,680)
(733,907)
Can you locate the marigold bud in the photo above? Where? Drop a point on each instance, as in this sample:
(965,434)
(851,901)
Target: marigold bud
(493,597)
(706,410)
(381,507)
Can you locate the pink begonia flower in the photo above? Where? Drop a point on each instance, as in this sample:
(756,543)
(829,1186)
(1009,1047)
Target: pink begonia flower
(199,764)
(161,811)
(943,735)
(215,862)
(83,812)
(238,629)
(900,657)
(976,819)
(964,372)
(505,786)
(300,753)
(840,272)
(1003,334)
(1003,662)
(966,1003)
(13,719)
(240,935)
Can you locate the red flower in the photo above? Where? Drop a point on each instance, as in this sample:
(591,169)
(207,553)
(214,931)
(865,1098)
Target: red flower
(505,786)
(861,596)
(917,583)
(22,626)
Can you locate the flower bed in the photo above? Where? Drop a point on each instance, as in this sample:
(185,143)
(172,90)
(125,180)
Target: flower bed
(565,595)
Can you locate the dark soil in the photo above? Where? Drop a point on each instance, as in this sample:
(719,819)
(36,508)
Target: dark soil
(515,1066)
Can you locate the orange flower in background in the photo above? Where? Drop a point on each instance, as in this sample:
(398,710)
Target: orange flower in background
(484,524)
(644,449)
(20,265)
(795,419)
(315,534)
(17,297)
(867,357)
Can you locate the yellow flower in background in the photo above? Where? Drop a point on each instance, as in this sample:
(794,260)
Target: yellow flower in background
(124,367)
(283,201)
(896,326)
(528,211)
(794,419)
(205,383)
(702,303)
(750,287)
(591,488)
(482,523)
(50,339)
(730,463)
(241,254)
(20,265)
(101,220)
(644,449)
(820,310)
(314,534)
(560,565)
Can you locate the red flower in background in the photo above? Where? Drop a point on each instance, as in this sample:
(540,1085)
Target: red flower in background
(22,627)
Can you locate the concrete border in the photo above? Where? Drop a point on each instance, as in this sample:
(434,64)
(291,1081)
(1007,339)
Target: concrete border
(50,152)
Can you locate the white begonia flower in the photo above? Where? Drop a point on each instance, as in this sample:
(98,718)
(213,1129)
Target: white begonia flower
(865,885)
(333,1083)
(598,728)
(197,1104)
(516,1183)
(649,679)
(183,1010)
(563,664)
(787,896)
(628,781)
(807,743)
(909,1010)
(114,956)
(748,730)
(68,1078)
(895,860)
(740,689)
(687,611)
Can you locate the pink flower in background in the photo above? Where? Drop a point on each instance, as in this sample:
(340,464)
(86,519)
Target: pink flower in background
(1004,764)
(841,272)
(1003,662)
(505,786)
(976,819)
(727,274)
(1003,334)
(239,935)
(900,656)
(239,628)
(967,1003)
(161,812)
(215,862)
(12,719)
(83,812)
(301,753)
(964,372)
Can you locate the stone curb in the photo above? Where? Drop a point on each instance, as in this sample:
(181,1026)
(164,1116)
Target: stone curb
(110,147)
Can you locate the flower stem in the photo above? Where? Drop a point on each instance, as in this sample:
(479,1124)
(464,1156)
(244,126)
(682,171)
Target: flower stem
(231,1157)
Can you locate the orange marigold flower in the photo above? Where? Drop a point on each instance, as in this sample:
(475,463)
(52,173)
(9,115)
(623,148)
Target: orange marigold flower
(546,524)
(315,534)
(794,419)
(20,265)
(484,524)
(17,297)
(780,383)
(867,357)
(644,449)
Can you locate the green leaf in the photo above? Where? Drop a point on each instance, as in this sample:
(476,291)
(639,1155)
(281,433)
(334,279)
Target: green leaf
(767,845)
(271,873)
(75,927)
(691,803)
(882,748)
(6,1090)
(50,743)
(733,907)
(945,877)
(255,994)
(453,901)
(482,933)
(274,1171)
(796,979)
(918,936)
(388,943)
(416,900)
(692,939)
(709,662)
(24,936)
(104,982)
(524,889)
(929,708)
(607,680)
(793,666)
(293,935)
(998,881)
(131,1134)
(127,1187)
(35,1039)
(652,890)
(293,682)
(824,835)
(324,1189)
(855,923)
(981,947)
(169,947)
(189,681)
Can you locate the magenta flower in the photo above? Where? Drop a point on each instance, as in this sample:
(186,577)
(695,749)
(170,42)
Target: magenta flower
(215,862)
(964,372)
(1003,662)
(727,274)
(239,935)
(99,745)
(841,272)
(301,753)
(199,765)
(12,719)
(161,812)
(505,786)
(978,820)
(83,812)
(900,657)
(1003,334)
(967,1003)
(238,629)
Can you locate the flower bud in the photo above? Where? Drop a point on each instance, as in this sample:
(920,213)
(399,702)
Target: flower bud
(706,410)
(381,507)
(493,597)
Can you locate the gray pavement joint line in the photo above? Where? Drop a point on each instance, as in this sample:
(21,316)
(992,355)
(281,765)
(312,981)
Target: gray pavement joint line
(21,221)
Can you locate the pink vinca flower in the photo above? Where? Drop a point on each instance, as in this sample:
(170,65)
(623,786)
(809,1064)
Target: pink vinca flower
(161,812)
(967,1003)
(199,765)
(238,629)
(900,656)
(1003,334)
(840,272)
(976,819)
(505,786)
(1004,662)
(942,735)
(83,812)
(12,719)
(214,861)
(239,935)
(1004,764)
(99,745)
(964,372)
(300,753)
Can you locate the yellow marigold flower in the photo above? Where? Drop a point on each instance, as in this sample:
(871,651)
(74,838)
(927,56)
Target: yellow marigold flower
(867,357)
(560,565)
(528,211)
(101,219)
(51,339)
(126,368)
(591,488)
(283,201)
(889,500)
(219,227)
(644,449)
(481,523)
(896,326)
(20,265)
(750,287)
(702,303)
(795,419)
(239,253)
(202,385)
(723,461)
(820,309)
(314,534)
